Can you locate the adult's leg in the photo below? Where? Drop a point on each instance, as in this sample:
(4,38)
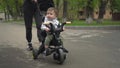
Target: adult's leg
(40,50)
(28,16)
(28,25)
(38,21)
(42,47)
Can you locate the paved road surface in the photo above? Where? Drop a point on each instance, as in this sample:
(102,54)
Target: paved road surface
(87,49)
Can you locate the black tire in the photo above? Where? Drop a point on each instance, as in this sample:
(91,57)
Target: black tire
(62,56)
(55,56)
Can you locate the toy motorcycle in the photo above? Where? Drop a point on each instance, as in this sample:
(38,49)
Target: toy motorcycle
(56,45)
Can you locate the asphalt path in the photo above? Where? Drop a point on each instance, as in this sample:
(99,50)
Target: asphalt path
(87,49)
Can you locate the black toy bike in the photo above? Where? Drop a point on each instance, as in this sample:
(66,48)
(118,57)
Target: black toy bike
(56,47)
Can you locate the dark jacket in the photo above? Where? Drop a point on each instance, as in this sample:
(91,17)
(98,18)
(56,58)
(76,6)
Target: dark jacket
(43,4)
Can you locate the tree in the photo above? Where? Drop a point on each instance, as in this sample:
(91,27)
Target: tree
(89,11)
(115,7)
(64,10)
(11,8)
(74,6)
(59,6)
(102,9)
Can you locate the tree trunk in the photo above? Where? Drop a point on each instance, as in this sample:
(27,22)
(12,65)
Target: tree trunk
(57,4)
(116,16)
(8,10)
(64,10)
(17,9)
(89,12)
(102,8)
(5,14)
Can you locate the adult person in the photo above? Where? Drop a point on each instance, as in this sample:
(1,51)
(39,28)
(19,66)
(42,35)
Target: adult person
(31,10)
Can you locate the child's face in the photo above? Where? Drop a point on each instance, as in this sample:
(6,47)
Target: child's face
(51,15)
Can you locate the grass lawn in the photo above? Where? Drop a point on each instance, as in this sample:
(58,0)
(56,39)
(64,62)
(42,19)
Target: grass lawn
(83,23)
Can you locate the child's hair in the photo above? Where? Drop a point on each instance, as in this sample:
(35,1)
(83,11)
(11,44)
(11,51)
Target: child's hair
(53,9)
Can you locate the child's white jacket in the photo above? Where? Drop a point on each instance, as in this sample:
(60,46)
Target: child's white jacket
(55,22)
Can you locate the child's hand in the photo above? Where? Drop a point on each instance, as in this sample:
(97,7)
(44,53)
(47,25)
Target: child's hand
(47,29)
(63,28)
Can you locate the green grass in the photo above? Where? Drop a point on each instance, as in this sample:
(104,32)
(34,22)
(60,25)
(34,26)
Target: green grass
(94,23)
(79,23)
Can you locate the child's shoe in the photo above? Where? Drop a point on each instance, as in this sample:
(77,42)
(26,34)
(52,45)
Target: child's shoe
(47,52)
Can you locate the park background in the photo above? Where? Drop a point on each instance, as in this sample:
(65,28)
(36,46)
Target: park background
(80,12)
